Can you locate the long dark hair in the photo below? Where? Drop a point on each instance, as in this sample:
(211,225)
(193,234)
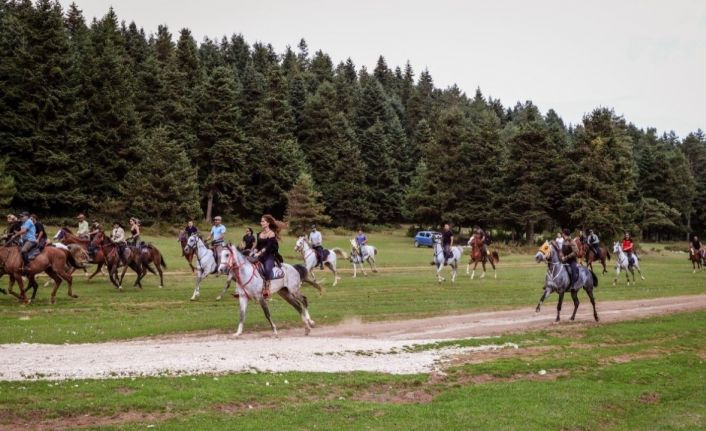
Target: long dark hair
(274,224)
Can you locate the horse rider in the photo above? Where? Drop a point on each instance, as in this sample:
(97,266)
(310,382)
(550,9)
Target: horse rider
(134,232)
(248,242)
(28,233)
(41,232)
(628,248)
(190,229)
(316,242)
(485,237)
(559,240)
(696,247)
(362,241)
(13,226)
(594,243)
(83,230)
(447,241)
(217,235)
(267,249)
(569,255)
(118,238)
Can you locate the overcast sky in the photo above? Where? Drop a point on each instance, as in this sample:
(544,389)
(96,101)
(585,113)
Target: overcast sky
(646,59)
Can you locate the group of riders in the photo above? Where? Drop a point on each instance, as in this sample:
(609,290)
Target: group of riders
(479,236)
(263,247)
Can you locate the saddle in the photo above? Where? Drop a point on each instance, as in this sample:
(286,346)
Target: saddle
(33,252)
(277,270)
(324,255)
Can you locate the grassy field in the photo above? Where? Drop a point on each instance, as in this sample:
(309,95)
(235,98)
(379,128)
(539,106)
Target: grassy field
(646,374)
(406,287)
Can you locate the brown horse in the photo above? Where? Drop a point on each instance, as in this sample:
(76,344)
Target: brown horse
(149,254)
(479,255)
(51,260)
(188,253)
(67,237)
(590,257)
(696,259)
(113,259)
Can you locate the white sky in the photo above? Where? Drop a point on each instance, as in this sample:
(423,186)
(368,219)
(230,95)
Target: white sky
(645,58)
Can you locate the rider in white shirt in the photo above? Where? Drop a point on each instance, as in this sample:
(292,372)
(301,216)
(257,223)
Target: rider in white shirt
(316,242)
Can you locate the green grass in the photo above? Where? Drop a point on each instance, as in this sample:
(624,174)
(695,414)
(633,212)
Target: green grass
(406,287)
(645,374)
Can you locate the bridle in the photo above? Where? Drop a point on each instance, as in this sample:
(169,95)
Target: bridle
(234,264)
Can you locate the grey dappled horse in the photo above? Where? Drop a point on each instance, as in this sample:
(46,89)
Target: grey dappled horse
(250,284)
(623,264)
(557,280)
(205,264)
(440,260)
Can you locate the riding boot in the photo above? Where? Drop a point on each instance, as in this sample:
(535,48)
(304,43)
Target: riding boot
(25,266)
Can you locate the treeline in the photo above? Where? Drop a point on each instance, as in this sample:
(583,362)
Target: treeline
(102,117)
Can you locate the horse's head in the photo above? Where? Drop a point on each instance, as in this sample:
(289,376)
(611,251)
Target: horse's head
(300,244)
(98,238)
(354,244)
(191,243)
(226,258)
(544,252)
(616,247)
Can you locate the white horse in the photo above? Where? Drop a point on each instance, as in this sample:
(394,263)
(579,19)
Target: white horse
(287,283)
(205,264)
(440,261)
(622,263)
(360,255)
(310,260)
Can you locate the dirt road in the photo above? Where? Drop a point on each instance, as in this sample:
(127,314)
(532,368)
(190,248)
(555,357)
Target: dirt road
(350,346)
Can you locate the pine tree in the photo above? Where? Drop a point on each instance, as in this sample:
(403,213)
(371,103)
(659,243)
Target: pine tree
(694,149)
(7,185)
(222,151)
(304,207)
(163,186)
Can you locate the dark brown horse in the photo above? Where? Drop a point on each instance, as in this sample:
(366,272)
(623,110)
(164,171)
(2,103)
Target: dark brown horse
(479,255)
(51,260)
(114,257)
(590,256)
(149,255)
(188,253)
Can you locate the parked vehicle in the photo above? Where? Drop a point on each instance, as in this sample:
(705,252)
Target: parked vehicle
(424,238)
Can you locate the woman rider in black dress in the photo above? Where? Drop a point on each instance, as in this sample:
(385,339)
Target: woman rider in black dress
(267,248)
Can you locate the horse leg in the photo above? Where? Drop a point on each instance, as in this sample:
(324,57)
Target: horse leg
(266,310)
(544,296)
(475,265)
(57,283)
(575,297)
(593,302)
(373,265)
(225,288)
(98,269)
(468,267)
(483,265)
(32,284)
(354,269)
(332,267)
(605,269)
(492,263)
(627,275)
(243,310)
(558,305)
(640,272)
(197,288)
(439,278)
(454,269)
(617,274)
(287,296)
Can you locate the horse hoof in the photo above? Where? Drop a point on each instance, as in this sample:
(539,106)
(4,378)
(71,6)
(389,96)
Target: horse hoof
(194,298)
(307,331)
(312,323)
(74,296)
(218,298)
(161,286)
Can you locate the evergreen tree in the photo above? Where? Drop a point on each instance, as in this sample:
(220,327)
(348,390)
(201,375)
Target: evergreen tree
(222,151)
(7,185)
(694,149)
(163,187)
(304,207)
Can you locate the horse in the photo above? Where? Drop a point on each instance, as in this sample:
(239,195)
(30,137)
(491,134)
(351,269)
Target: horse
(149,254)
(360,255)
(113,260)
(590,256)
(624,264)
(310,261)
(188,255)
(440,260)
(557,280)
(51,260)
(696,259)
(250,284)
(479,256)
(65,236)
(205,264)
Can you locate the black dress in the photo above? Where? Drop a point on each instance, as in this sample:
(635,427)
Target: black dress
(270,254)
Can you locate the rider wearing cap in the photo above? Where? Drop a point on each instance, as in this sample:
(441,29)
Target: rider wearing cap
(316,242)
(218,232)
(28,233)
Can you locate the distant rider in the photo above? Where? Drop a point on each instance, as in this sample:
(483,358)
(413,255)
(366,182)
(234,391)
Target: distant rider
(628,248)
(316,242)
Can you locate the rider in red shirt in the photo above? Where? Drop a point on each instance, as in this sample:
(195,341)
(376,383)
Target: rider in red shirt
(628,247)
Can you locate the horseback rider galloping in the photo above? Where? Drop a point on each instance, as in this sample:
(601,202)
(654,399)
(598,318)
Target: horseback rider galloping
(267,249)
(594,244)
(569,255)
(447,241)
(217,234)
(316,242)
(628,248)
(28,233)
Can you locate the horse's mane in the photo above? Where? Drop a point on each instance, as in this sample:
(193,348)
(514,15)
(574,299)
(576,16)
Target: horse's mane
(67,230)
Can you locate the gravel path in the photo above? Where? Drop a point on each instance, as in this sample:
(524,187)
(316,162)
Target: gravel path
(350,346)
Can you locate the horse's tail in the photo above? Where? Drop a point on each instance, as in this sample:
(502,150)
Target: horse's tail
(72,261)
(496,256)
(375,251)
(339,252)
(301,269)
(161,258)
(595,279)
